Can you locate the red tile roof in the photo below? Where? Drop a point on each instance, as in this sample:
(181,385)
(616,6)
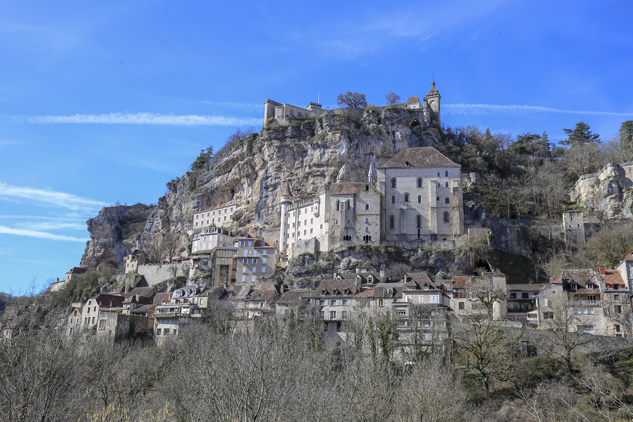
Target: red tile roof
(348,188)
(613,277)
(462,282)
(426,157)
(413,100)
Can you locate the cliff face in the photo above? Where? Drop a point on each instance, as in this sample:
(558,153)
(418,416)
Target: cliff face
(113,234)
(610,191)
(307,155)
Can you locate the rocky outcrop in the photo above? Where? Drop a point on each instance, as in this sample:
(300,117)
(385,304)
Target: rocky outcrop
(113,234)
(306,155)
(608,192)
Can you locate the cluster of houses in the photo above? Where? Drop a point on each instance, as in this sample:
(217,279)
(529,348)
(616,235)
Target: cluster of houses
(421,309)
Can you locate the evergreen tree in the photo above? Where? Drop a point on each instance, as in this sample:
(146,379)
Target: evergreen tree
(205,158)
(580,135)
(626,134)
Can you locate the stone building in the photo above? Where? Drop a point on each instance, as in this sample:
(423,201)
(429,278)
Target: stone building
(422,196)
(133,260)
(255,259)
(219,216)
(417,199)
(209,239)
(281,112)
(97,304)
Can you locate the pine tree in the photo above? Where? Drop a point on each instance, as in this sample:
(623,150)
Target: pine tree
(580,135)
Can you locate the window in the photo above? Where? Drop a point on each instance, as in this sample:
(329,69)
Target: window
(333,302)
(380,303)
(406,197)
(393,183)
(446,174)
(366,207)
(322,302)
(349,221)
(419,199)
(344,301)
(244,268)
(461,305)
(418,221)
(344,314)
(419,182)
(438,198)
(548,315)
(438,174)
(446,217)
(348,205)
(617,328)
(166,331)
(158,331)
(332,314)
(618,309)
(322,314)
(392,222)
(445,184)
(338,206)
(447,201)
(525,295)
(393,199)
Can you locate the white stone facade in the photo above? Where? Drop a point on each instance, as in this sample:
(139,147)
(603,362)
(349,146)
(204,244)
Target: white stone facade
(210,239)
(220,217)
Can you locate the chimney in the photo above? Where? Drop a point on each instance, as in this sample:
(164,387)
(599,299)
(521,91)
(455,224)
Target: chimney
(602,272)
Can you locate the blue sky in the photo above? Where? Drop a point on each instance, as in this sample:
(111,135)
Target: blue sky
(107,101)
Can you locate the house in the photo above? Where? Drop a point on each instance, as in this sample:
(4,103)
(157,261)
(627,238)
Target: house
(75,321)
(334,301)
(116,326)
(215,217)
(133,260)
(572,301)
(259,303)
(472,295)
(294,302)
(185,304)
(207,240)
(522,302)
(138,297)
(97,304)
(616,303)
(255,259)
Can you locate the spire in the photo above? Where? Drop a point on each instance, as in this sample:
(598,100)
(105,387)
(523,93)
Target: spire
(433,90)
(370,174)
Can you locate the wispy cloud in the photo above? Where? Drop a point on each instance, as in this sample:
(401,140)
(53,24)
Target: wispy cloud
(4,143)
(139,119)
(238,106)
(49,197)
(39,234)
(37,217)
(519,109)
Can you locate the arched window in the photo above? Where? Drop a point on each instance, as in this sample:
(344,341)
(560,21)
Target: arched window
(439,185)
(348,205)
(392,222)
(366,207)
(418,221)
(446,173)
(366,220)
(419,182)
(338,206)
(406,197)
(366,229)
(366,188)
(447,218)
(393,199)
(393,182)
(445,184)
(438,174)
(419,199)
(447,201)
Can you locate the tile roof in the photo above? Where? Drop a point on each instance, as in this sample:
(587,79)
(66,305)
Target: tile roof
(142,291)
(108,301)
(581,276)
(77,270)
(462,282)
(267,295)
(365,293)
(413,100)
(524,287)
(264,244)
(426,157)
(420,279)
(628,256)
(161,297)
(347,188)
(613,277)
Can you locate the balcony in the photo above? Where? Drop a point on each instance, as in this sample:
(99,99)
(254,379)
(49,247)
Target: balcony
(521,310)
(585,303)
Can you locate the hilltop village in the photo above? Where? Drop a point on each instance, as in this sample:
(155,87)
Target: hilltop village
(411,200)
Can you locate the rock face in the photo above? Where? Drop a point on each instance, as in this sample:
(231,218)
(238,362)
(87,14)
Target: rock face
(306,155)
(113,234)
(609,191)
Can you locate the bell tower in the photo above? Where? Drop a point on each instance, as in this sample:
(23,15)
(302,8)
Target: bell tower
(433,102)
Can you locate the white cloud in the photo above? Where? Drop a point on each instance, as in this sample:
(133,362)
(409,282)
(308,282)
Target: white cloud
(239,106)
(39,234)
(43,197)
(140,119)
(518,109)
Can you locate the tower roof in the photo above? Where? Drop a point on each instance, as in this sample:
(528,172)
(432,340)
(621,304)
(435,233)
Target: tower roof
(285,191)
(433,90)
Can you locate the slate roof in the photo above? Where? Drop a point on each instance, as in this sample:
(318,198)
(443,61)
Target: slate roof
(77,270)
(336,288)
(267,295)
(581,277)
(142,291)
(347,188)
(424,157)
(413,100)
(365,293)
(535,288)
(159,298)
(108,301)
(214,293)
(294,297)
(418,280)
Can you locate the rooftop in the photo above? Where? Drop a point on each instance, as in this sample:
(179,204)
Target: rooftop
(423,157)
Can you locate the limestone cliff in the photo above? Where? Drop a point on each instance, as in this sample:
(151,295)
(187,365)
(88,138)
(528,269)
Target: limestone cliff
(306,154)
(608,192)
(113,234)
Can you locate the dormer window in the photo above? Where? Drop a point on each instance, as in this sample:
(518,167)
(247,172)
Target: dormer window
(572,285)
(590,286)
(426,287)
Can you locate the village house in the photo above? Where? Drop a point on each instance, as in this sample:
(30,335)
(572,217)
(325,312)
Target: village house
(522,302)
(97,304)
(255,259)
(334,301)
(133,260)
(293,303)
(75,321)
(185,303)
(116,326)
(616,304)
(260,303)
(209,239)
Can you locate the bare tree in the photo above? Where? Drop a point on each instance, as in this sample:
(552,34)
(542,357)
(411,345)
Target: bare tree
(171,245)
(392,98)
(154,250)
(352,100)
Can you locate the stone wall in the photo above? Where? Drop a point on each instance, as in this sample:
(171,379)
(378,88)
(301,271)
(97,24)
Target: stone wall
(155,273)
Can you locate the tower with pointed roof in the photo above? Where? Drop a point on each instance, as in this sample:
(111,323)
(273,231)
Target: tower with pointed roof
(432,103)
